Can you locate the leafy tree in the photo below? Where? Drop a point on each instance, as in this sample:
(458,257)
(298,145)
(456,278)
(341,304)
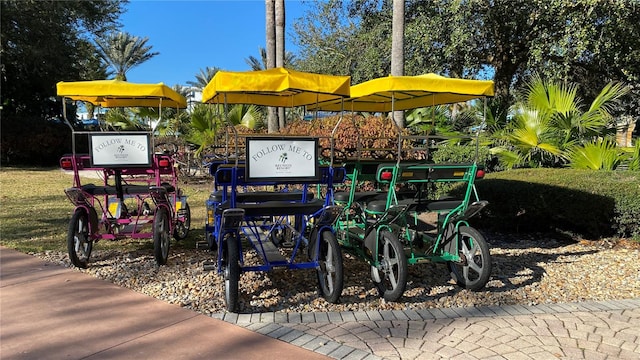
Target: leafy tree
(123,51)
(44,42)
(332,39)
(577,41)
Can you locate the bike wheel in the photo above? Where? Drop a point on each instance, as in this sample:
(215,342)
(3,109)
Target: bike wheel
(231,271)
(161,235)
(391,276)
(330,272)
(79,244)
(474,269)
(182,227)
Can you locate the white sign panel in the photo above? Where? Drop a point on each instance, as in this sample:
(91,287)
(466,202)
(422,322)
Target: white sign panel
(120,150)
(282,159)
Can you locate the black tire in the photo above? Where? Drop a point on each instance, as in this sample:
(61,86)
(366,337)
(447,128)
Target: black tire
(182,227)
(391,278)
(231,272)
(79,243)
(161,235)
(475,269)
(330,271)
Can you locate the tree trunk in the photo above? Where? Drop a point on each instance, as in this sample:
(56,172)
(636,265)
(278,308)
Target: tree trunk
(279,28)
(397,50)
(272,119)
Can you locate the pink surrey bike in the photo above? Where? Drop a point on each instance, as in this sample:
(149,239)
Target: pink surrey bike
(138,196)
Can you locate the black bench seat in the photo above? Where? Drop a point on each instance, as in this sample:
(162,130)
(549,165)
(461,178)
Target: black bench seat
(261,196)
(419,205)
(275,208)
(367,196)
(94,190)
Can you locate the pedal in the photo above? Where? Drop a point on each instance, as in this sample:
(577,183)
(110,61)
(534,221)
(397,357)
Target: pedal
(202,245)
(209,265)
(474,208)
(231,218)
(287,244)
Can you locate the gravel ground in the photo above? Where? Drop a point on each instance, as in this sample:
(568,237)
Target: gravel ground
(527,269)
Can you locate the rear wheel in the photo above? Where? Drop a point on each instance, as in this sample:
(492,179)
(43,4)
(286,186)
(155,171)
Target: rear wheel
(161,236)
(330,272)
(182,226)
(231,271)
(390,277)
(474,268)
(79,243)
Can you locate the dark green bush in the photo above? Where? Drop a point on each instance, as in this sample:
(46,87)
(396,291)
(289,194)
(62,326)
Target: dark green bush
(591,203)
(33,141)
(461,154)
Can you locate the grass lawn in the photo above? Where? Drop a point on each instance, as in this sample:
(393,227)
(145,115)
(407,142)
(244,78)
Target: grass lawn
(35,212)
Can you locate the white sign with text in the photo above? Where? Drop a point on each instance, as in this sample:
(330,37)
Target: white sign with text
(119,150)
(280,159)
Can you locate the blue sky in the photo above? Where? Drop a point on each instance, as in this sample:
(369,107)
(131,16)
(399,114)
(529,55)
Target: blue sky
(191,35)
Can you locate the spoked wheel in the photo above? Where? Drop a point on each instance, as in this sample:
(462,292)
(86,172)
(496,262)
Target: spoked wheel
(231,271)
(161,236)
(474,268)
(182,227)
(391,276)
(79,243)
(330,278)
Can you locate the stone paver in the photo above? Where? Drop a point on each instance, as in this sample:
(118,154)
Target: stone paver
(598,330)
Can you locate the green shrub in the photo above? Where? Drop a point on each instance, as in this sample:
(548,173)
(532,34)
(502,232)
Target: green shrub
(593,204)
(29,141)
(462,154)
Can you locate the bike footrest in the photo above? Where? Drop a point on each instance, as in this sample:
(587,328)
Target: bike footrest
(209,266)
(267,250)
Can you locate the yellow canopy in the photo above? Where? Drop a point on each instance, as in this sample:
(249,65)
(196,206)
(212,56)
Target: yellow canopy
(275,87)
(116,93)
(409,92)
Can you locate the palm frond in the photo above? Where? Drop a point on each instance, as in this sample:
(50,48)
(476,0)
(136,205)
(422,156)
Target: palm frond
(595,155)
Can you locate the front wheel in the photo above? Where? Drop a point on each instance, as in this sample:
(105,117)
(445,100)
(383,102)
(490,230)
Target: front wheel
(161,236)
(390,276)
(231,271)
(79,243)
(474,268)
(182,226)
(330,272)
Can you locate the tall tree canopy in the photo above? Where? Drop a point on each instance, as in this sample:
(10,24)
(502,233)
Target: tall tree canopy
(44,42)
(582,41)
(123,51)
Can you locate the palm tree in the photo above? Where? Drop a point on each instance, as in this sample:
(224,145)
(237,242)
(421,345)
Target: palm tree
(549,124)
(270,30)
(397,50)
(204,77)
(206,119)
(123,51)
(261,64)
(596,155)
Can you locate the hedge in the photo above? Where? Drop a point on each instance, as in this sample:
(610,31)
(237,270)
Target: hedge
(593,204)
